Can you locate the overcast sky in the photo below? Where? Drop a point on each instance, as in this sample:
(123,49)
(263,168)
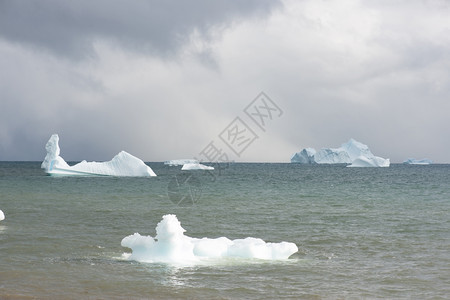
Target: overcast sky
(163,79)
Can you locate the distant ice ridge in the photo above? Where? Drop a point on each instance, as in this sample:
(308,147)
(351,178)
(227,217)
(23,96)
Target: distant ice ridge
(123,164)
(196,166)
(2,215)
(180,162)
(412,161)
(354,153)
(171,246)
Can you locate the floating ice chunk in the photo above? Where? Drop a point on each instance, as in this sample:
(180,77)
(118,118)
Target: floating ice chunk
(374,161)
(412,161)
(180,162)
(2,215)
(171,246)
(196,166)
(123,164)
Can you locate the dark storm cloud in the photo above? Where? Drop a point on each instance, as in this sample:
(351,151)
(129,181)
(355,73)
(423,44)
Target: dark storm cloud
(69,28)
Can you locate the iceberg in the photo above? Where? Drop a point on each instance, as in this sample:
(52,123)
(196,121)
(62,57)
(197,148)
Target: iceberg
(352,153)
(2,215)
(170,245)
(412,161)
(196,166)
(123,164)
(180,162)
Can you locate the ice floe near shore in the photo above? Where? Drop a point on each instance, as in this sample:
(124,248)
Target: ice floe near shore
(170,245)
(353,153)
(123,164)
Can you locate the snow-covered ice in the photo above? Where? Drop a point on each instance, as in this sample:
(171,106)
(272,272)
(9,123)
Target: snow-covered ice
(196,166)
(171,246)
(180,162)
(353,152)
(123,164)
(412,161)
(2,215)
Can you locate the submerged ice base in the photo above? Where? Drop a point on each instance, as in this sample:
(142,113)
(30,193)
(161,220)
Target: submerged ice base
(171,246)
(123,164)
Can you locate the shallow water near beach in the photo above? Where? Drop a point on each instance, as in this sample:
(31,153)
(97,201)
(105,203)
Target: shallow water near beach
(361,232)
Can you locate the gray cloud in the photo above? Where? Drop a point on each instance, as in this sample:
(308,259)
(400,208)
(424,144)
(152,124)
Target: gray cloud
(69,28)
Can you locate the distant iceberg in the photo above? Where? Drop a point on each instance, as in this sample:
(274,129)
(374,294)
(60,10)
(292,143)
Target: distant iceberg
(123,164)
(412,161)
(353,153)
(2,215)
(196,166)
(180,162)
(170,245)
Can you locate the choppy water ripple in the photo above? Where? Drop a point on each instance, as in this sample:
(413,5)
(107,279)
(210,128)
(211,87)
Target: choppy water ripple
(361,233)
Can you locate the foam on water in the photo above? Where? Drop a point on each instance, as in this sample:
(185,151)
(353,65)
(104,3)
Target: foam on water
(171,246)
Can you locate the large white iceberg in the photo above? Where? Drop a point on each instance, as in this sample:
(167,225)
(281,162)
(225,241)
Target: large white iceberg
(2,215)
(123,164)
(353,152)
(171,246)
(412,161)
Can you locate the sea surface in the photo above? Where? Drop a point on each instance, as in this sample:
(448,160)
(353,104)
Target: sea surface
(361,232)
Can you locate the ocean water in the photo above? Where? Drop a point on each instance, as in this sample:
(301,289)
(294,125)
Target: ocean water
(361,232)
